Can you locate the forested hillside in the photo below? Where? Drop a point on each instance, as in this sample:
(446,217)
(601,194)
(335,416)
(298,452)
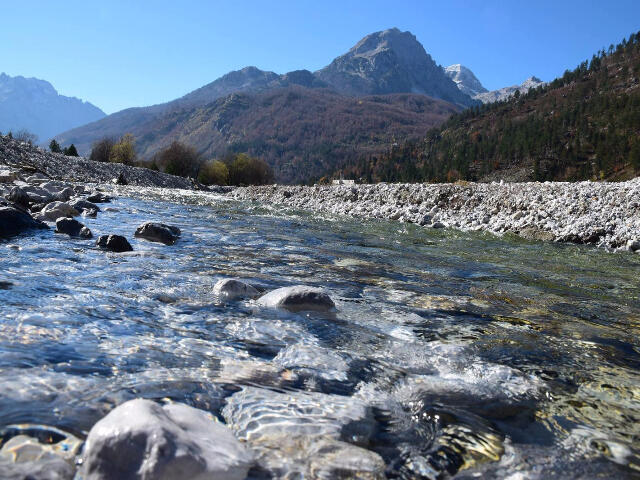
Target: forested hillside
(584,125)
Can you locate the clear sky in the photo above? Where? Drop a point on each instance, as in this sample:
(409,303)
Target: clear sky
(118,54)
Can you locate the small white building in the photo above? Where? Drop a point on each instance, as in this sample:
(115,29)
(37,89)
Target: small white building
(343,182)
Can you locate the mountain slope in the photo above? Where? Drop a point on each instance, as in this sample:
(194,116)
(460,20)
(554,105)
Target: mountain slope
(34,105)
(466,81)
(391,61)
(585,125)
(301,132)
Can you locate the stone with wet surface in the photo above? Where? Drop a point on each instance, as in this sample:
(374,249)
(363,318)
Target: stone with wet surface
(158,232)
(114,243)
(14,221)
(232,288)
(143,440)
(298,298)
(72,227)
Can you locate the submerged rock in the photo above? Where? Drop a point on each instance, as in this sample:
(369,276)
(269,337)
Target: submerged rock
(72,227)
(14,221)
(37,452)
(55,210)
(231,288)
(158,232)
(343,460)
(114,243)
(298,298)
(143,440)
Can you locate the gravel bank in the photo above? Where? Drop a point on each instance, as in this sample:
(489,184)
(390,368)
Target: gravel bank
(602,214)
(27,159)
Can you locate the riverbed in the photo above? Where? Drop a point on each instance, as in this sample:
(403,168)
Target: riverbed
(449,353)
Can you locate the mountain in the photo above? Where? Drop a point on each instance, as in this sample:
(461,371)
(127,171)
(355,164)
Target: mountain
(34,105)
(582,126)
(506,92)
(465,80)
(391,61)
(301,132)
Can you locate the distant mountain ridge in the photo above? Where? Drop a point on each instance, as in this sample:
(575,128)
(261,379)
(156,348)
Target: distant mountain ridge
(468,83)
(506,92)
(35,105)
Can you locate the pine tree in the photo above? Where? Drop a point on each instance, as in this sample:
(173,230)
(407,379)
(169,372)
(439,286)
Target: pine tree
(55,147)
(71,151)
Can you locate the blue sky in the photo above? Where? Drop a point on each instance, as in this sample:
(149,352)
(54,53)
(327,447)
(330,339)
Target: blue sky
(119,54)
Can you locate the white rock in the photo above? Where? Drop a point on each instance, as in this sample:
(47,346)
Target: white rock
(143,440)
(55,210)
(231,288)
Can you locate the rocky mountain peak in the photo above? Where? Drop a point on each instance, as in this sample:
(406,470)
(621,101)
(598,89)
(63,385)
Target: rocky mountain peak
(390,61)
(466,81)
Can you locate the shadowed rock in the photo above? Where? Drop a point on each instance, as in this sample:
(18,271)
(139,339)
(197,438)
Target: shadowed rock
(114,243)
(72,227)
(142,440)
(14,221)
(158,232)
(298,298)
(99,198)
(19,196)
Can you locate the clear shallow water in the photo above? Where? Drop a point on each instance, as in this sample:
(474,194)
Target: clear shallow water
(450,353)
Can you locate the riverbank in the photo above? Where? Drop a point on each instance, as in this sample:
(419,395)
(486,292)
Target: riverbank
(597,213)
(21,159)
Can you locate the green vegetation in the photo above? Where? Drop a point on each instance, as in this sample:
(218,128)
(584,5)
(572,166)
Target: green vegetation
(584,125)
(214,173)
(55,147)
(124,151)
(70,151)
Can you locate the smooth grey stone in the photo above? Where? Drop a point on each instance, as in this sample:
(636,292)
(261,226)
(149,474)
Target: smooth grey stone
(143,440)
(231,288)
(298,298)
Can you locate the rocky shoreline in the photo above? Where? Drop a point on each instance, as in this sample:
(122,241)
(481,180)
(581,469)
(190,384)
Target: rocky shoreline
(597,213)
(21,159)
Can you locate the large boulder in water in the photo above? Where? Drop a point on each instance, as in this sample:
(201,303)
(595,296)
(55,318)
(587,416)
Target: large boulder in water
(158,232)
(298,298)
(72,227)
(143,440)
(114,243)
(231,288)
(54,210)
(14,221)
